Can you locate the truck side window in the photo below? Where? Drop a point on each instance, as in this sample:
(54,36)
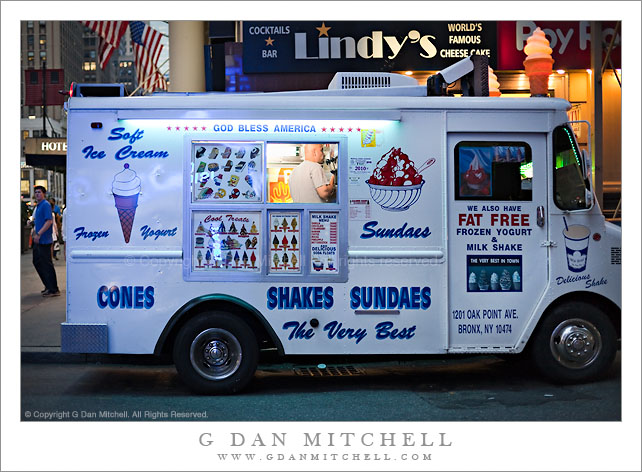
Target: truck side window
(493,171)
(569,186)
(318,169)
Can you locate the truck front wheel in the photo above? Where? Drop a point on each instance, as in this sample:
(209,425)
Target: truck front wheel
(576,342)
(216,353)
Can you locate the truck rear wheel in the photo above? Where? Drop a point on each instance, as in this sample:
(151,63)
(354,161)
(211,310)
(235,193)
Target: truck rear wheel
(576,342)
(216,353)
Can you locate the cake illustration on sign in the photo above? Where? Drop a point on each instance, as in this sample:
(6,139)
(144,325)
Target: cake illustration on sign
(395,184)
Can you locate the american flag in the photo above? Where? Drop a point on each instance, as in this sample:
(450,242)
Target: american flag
(147,49)
(110,33)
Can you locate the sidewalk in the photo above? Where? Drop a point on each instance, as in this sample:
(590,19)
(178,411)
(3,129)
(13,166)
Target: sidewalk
(40,317)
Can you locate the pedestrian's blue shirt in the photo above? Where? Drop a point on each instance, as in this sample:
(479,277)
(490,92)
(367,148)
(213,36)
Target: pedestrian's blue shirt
(43,213)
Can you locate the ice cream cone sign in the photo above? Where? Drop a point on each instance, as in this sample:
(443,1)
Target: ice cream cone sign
(493,84)
(538,63)
(126,188)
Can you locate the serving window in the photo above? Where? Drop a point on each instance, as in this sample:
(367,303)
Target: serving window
(493,171)
(242,223)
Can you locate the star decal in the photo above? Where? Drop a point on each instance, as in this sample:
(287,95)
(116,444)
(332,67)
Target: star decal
(169,128)
(323,129)
(194,128)
(269,41)
(349,130)
(340,130)
(203,128)
(332,130)
(359,129)
(187,128)
(178,128)
(323,29)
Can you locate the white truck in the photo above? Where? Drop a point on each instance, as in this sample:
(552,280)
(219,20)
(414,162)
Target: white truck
(459,225)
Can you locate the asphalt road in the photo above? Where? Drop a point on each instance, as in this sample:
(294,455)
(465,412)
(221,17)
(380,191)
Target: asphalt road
(460,389)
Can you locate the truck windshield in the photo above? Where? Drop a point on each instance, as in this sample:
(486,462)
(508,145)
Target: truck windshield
(569,184)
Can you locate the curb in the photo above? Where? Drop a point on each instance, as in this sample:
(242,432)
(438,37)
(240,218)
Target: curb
(44,357)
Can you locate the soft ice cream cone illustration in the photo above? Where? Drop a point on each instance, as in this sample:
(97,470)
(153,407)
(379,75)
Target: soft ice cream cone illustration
(252,259)
(275,242)
(244,259)
(284,223)
(285,260)
(236,259)
(126,188)
(294,260)
(293,224)
(294,242)
(253,229)
(505,281)
(275,259)
(517,281)
(538,63)
(228,259)
(493,84)
(284,241)
(483,281)
(199,257)
(472,282)
(494,281)
(254,241)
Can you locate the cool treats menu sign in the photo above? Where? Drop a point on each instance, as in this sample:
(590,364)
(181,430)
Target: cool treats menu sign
(324,242)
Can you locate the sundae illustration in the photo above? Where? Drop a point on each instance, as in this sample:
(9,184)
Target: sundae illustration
(126,188)
(396,183)
(538,63)
(317,264)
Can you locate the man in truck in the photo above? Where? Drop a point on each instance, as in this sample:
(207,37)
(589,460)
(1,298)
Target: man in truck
(308,182)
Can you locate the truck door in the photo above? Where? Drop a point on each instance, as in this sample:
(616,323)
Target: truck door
(498,267)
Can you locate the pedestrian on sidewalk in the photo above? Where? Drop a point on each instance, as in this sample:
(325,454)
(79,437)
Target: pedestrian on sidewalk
(42,241)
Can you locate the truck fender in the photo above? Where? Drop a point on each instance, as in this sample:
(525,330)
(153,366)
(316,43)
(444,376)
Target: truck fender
(221,302)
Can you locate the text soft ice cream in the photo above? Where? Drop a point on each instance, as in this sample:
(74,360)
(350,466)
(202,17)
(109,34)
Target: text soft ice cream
(538,62)
(126,188)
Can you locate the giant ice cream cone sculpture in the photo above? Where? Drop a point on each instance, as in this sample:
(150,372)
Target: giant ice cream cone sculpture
(538,62)
(493,84)
(126,188)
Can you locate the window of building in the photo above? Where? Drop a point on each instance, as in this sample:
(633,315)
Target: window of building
(569,183)
(25,133)
(30,40)
(493,171)
(43,40)
(33,77)
(54,77)
(43,55)
(30,58)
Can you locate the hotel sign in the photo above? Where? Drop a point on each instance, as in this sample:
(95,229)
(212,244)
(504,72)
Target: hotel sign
(46,146)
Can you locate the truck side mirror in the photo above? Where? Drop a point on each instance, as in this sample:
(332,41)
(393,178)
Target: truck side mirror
(588,178)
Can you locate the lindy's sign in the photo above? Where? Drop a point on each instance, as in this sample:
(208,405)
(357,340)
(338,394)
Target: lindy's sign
(330,46)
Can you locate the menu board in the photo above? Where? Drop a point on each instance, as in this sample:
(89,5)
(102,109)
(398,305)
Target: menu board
(324,239)
(285,234)
(227,171)
(224,241)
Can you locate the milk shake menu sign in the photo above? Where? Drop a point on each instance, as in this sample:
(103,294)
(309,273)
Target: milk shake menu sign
(324,242)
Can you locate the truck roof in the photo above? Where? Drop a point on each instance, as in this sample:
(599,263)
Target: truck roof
(356,100)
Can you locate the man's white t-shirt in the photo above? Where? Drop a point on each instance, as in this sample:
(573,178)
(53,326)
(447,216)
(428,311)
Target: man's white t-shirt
(304,181)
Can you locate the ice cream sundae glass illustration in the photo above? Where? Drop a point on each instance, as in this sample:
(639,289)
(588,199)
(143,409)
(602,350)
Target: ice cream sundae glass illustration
(395,184)
(476,179)
(126,188)
(538,63)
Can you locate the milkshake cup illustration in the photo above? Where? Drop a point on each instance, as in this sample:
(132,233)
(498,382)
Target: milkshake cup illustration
(517,281)
(472,282)
(483,281)
(494,281)
(505,281)
(576,238)
(126,188)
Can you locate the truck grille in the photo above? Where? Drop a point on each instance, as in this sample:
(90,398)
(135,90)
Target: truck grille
(616,255)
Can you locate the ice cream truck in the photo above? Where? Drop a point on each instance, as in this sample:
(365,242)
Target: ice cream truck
(459,225)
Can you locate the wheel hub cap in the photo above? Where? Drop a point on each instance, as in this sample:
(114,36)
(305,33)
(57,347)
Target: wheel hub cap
(576,343)
(216,353)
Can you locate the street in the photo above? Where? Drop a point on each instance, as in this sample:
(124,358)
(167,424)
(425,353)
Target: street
(458,389)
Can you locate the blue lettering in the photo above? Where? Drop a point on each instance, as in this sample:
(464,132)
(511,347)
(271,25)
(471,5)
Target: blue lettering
(355,300)
(393,297)
(81,233)
(335,329)
(138,296)
(272,299)
(91,154)
(149,297)
(147,232)
(404,299)
(284,298)
(117,133)
(307,297)
(380,297)
(385,330)
(298,330)
(128,151)
(414,297)
(102,300)
(328,298)
(114,297)
(370,230)
(425,298)
(126,297)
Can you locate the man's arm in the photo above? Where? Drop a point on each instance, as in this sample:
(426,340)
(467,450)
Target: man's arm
(327,191)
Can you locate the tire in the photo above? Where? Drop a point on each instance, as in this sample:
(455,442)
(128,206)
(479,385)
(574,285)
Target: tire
(576,342)
(216,353)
